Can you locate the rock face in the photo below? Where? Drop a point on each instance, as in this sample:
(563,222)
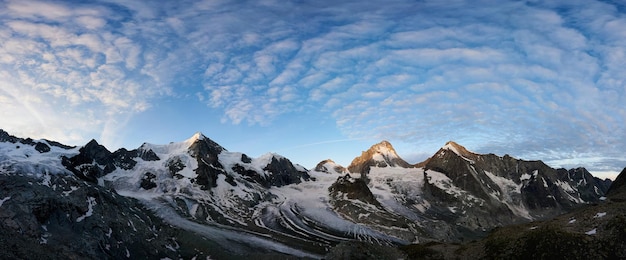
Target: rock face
(543,190)
(62,217)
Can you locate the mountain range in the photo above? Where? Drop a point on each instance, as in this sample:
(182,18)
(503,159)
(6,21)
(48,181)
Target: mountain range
(195,199)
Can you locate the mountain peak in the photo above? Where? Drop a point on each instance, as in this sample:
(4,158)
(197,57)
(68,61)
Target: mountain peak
(379,155)
(383,148)
(330,166)
(457,148)
(195,137)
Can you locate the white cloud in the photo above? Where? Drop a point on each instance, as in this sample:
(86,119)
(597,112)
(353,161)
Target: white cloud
(524,77)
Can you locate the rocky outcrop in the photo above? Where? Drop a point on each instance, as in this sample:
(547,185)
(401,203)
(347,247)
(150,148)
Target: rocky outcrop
(92,162)
(283,172)
(353,189)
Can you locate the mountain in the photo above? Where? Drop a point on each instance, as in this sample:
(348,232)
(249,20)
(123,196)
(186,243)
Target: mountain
(379,155)
(329,166)
(592,231)
(528,188)
(196,194)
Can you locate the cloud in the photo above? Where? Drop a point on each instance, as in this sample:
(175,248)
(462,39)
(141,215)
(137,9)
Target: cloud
(526,78)
(69,71)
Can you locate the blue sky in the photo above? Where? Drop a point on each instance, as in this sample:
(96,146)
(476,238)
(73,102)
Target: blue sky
(313,80)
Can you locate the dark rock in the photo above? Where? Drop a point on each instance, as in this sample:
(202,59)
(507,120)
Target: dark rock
(353,188)
(42,148)
(6,137)
(206,152)
(82,164)
(147,181)
(618,187)
(124,159)
(283,172)
(361,250)
(174,165)
(245,158)
(147,155)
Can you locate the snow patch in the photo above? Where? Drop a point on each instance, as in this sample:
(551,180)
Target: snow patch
(91,201)
(5,199)
(511,194)
(592,232)
(72,189)
(599,215)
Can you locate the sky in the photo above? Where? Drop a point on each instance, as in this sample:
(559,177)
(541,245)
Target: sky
(313,80)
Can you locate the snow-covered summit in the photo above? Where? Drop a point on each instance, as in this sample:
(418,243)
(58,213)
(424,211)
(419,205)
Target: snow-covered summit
(196,137)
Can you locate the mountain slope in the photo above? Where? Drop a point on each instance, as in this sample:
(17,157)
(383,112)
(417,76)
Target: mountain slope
(593,231)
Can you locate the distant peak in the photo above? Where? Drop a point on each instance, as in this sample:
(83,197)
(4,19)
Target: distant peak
(379,155)
(456,148)
(198,136)
(384,147)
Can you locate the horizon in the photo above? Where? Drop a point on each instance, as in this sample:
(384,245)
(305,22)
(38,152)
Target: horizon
(322,80)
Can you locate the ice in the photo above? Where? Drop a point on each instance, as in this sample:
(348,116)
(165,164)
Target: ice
(236,240)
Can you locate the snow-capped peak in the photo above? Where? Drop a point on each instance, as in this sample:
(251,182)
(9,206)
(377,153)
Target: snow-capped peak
(195,137)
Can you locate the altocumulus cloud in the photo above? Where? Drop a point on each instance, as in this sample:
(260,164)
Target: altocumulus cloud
(536,80)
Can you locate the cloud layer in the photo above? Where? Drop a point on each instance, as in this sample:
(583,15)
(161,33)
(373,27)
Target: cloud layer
(532,79)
